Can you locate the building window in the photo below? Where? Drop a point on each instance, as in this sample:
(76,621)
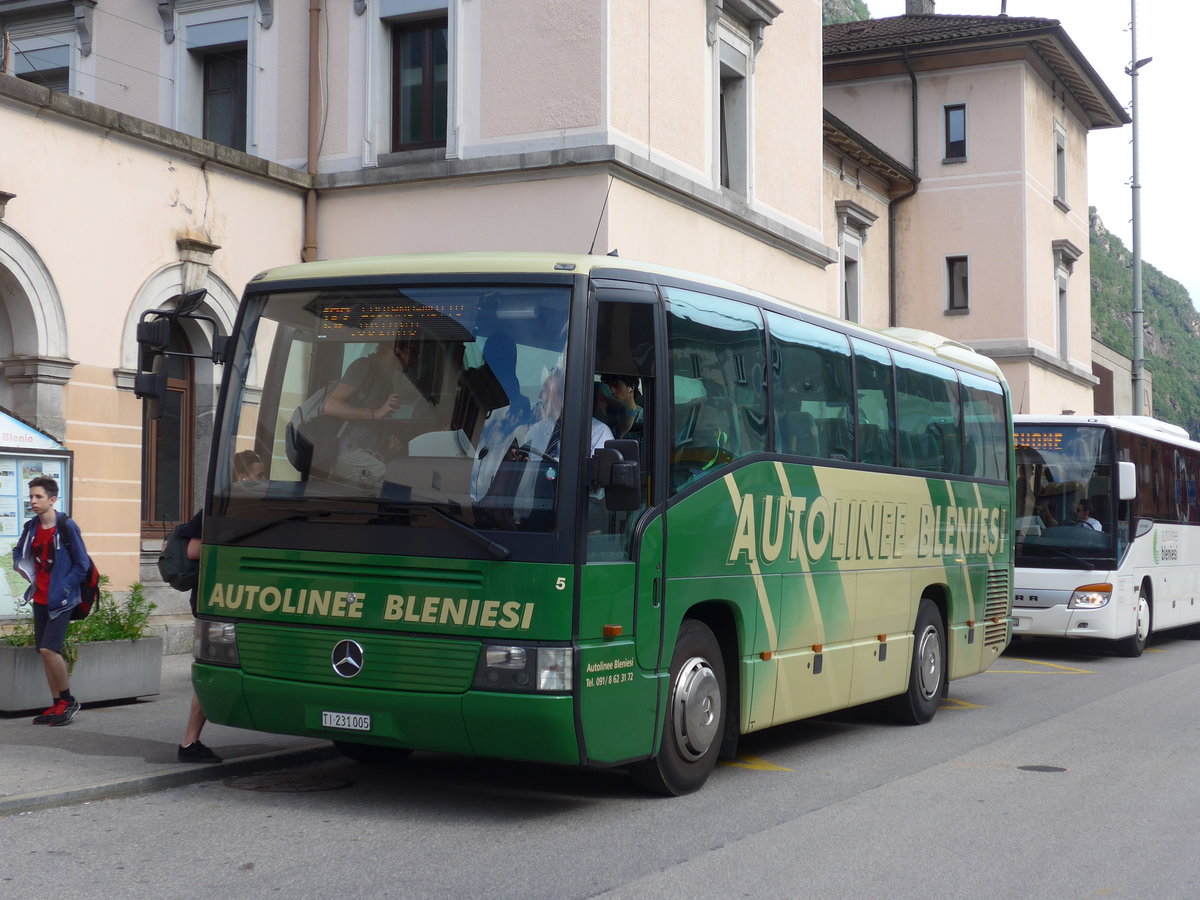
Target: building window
(853,221)
(224,88)
(734,116)
(420,67)
(215,62)
(957,298)
(49,65)
(956,133)
(1060,167)
(1065,255)
(735,35)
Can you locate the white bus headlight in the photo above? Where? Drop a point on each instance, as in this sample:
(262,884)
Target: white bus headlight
(525,669)
(215,642)
(554,668)
(1090,596)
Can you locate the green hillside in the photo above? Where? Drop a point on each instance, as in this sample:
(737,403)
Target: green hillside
(1171,327)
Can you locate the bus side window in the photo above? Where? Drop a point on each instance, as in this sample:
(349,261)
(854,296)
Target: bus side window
(811,382)
(929,411)
(718,364)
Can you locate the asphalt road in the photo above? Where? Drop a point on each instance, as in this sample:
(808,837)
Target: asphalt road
(1063,772)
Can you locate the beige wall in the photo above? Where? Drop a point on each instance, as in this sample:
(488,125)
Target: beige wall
(997,209)
(542,67)
(82,205)
(787,146)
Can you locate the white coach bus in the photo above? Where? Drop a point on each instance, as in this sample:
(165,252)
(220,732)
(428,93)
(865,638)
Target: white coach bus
(1107,525)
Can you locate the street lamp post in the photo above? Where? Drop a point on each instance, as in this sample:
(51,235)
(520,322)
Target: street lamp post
(1139,362)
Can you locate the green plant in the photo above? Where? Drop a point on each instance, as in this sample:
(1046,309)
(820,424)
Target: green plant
(109,621)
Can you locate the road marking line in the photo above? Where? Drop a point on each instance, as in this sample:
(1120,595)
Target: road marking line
(756,763)
(955,703)
(1036,662)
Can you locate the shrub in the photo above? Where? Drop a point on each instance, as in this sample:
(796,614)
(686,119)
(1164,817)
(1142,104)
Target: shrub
(109,621)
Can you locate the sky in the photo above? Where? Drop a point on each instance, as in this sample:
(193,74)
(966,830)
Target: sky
(1168,127)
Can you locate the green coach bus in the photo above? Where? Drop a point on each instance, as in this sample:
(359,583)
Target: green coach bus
(589,511)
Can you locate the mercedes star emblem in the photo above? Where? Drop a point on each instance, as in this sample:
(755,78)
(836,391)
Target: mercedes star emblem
(347,658)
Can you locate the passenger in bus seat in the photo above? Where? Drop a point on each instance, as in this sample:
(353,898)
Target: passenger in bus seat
(541,447)
(624,389)
(364,397)
(504,425)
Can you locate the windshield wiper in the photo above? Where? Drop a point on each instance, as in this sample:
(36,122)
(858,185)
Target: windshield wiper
(1051,549)
(499,551)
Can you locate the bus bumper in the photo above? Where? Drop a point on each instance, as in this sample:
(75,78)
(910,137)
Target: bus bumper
(1059,621)
(537,728)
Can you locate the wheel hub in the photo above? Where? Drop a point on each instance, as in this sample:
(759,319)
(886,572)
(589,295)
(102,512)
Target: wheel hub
(695,708)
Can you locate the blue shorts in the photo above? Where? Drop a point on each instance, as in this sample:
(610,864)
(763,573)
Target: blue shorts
(48,633)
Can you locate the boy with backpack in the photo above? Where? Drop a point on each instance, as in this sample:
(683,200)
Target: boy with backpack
(52,557)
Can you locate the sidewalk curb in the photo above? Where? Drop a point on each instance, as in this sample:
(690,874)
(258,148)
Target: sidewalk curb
(174,777)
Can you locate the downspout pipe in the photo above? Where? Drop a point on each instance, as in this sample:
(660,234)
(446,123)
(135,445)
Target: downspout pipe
(309,253)
(893,316)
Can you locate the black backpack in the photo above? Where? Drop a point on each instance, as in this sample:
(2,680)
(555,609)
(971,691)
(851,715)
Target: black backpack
(174,566)
(89,588)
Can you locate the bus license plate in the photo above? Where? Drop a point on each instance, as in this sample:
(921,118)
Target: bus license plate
(345,721)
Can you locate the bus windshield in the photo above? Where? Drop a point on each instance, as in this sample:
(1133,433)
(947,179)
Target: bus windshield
(1066,511)
(438,397)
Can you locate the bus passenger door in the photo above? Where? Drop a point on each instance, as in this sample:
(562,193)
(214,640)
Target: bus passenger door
(622,579)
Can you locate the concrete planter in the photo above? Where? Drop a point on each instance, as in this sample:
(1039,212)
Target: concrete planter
(106,670)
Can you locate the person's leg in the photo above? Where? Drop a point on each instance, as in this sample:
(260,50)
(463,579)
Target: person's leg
(190,749)
(195,723)
(50,646)
(55,668)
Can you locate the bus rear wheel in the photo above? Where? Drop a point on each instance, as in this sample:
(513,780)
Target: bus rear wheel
(372,754)
(695,720)
(927,675)
(1133,645)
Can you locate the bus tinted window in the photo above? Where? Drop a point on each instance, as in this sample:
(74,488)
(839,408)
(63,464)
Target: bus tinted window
(928,406)
(876,404)
(718,365)
(812,384)
(983,426)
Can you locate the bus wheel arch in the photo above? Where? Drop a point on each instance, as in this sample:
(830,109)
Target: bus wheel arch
(1143,626)
(694,719)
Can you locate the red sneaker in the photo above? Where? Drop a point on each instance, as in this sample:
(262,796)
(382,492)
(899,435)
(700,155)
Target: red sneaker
(58,708)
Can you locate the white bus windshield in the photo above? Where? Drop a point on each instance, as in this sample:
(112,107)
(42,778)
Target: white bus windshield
(433,396)
(1066,507)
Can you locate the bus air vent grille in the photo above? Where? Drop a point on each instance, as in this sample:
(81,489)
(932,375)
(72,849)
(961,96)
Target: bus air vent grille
(999,600)
(390,662)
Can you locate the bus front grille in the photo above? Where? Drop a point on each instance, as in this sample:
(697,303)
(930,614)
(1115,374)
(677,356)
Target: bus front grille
(999,598)
(389,662)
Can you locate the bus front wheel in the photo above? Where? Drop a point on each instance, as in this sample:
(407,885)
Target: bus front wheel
(1134,644)
(695,716)
(927,676)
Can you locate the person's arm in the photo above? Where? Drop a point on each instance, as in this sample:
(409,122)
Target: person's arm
(77,553)
(338,404)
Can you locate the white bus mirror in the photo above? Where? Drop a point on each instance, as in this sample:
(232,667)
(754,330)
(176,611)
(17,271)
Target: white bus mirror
(1126,481)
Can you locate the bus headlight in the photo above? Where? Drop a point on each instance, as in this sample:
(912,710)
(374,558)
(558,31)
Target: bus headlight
(1090,596)
(215,642)
(525,669)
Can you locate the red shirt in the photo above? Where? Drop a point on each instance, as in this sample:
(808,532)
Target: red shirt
(43,543)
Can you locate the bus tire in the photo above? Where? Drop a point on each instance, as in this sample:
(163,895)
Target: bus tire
(927,674)
(1133,645)
(694,723)
(372,754)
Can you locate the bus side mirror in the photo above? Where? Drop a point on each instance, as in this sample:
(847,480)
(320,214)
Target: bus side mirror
(616,469)
(1126,481)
